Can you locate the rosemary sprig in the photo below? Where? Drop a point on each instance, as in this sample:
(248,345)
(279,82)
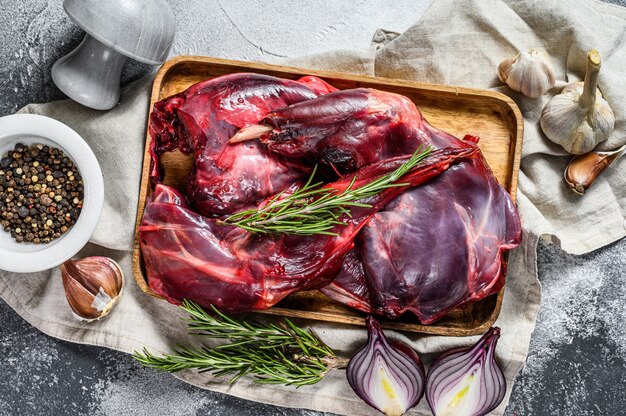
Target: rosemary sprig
(274,354)
(313,209)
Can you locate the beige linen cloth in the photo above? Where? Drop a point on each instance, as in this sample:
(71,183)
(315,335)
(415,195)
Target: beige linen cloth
(458,43)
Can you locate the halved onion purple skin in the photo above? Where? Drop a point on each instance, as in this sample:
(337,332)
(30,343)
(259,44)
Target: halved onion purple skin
(467,381)
(389,376)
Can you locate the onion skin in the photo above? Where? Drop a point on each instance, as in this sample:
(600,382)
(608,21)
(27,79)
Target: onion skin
(467,381)
(389,376)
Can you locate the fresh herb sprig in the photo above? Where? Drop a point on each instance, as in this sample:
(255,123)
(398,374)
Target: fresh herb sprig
(314,209)
(274,354)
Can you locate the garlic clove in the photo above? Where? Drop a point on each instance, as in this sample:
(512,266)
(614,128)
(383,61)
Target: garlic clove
(92,286)
(583,170)
(579,118)
(529,72)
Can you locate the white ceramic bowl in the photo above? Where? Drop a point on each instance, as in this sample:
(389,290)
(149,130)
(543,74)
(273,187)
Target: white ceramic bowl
(31,129)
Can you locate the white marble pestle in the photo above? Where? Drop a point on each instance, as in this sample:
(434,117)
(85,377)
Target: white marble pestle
(116,30)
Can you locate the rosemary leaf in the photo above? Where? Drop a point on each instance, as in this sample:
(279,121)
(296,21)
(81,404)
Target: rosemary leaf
(273,354)
(315,210)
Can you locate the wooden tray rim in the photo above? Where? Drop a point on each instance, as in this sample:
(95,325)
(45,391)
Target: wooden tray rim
(251,66)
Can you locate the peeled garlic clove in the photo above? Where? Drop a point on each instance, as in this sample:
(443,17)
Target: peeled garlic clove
(92,286)
(582,170)
(529,73)
(389,376)
(579,118)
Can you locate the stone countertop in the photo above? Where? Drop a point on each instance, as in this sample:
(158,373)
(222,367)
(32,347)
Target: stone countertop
(577,360)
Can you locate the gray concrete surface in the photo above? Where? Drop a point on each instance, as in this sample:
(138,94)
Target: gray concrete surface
(577,360)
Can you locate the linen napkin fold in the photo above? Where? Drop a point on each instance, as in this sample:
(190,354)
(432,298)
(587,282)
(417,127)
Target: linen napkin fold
(463,43)
(454,43)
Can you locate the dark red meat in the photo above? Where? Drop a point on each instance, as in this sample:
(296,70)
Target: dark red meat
(317,84)
(350,285)
(202,119)
(188,256)
(347,129)
(424,249)
(434,247)
(440,246)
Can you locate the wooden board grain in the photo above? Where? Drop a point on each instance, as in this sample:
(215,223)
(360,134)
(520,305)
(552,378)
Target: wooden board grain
(489,115)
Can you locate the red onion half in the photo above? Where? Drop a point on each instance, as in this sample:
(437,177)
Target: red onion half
(467,381)
(389,376)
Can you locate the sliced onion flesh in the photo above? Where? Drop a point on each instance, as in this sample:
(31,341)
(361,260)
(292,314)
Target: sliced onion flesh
(389,376)
(467,381)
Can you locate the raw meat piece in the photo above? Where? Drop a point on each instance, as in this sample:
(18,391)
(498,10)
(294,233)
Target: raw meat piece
(350,285)
(347,129)
(434,247)
(202,119)
(317,84)
(440,246)
(189,256)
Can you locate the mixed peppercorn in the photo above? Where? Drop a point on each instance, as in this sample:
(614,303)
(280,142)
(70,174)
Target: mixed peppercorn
(41,193)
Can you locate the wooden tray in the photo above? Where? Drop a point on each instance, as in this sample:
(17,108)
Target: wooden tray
(492,116)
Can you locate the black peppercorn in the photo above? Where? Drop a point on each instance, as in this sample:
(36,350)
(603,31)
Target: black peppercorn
(23,211)
(41,193)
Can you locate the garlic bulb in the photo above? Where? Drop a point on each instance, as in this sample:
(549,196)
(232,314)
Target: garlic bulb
(92,286)
(579,118)
(582,170)
(529,73)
